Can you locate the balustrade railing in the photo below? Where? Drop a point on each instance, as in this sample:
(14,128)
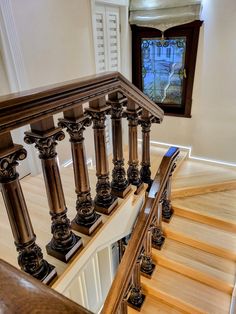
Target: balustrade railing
(107,94)
(137,257)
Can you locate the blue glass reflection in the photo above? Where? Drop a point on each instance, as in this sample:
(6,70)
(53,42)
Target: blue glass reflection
(163,69)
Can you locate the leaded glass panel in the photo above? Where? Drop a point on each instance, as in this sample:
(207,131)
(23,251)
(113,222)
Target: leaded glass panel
(163,69)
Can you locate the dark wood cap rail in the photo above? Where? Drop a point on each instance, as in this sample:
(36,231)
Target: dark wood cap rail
(26,107)
(21,293)
(122,279)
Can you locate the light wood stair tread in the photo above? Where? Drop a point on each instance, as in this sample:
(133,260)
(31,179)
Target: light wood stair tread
(217,208)
(155,306)
(202,236)
(185,293)
(205,267)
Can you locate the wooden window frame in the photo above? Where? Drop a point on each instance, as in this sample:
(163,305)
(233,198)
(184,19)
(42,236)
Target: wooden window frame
(191,32)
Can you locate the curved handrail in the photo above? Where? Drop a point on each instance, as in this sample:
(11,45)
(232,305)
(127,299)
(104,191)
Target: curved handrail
(121,282)
(26,107)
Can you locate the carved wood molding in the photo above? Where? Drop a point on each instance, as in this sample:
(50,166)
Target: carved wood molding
(29,106)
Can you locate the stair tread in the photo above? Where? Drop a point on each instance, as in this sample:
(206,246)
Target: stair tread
(197,264)
(154,306)
(205,237)
(185,293)
(217,208)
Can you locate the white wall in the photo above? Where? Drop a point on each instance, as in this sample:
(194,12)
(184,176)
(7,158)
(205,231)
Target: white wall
(211,130)
(56,43)
(4,86)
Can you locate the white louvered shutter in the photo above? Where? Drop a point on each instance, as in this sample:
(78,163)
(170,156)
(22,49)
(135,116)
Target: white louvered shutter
(107,48)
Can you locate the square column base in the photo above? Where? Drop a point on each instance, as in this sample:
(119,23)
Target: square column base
(121,194)
(87,229)
(158,246)
(148,274)
(106,210)
(65,255)
(137,307)
(51,275)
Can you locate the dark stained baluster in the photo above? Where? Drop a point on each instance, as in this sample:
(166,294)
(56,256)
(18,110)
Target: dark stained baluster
(64,243)
(86,220)
(147,266)
(167,210)
(136,297)
(146,122)
(104,201)
(30,256)
(132,114)
(120,186)
(157,235)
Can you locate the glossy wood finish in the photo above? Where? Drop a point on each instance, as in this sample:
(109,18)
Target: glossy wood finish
(29,106)
(133,173)
(64,242)
(86,220)
(120,186)
(30,256)
(121,282)
(104,201)
(146,121)
(20,293)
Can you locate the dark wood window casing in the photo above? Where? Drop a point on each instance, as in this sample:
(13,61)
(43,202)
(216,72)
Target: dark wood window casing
(191,32)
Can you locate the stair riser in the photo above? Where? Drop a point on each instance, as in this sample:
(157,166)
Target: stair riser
(193,274)
(224,225)
(200,245)
(197,190)
(171,300)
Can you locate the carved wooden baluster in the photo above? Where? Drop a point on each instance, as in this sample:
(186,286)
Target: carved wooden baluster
(136,297)
(157,235)
(104,201)
(64,242)
(133,171)
(146,122)
(120,186)
(86,220)
(167,210)
(147,266)
(30,256)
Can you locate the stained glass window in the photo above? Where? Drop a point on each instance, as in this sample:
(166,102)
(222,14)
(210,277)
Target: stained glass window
(163,69)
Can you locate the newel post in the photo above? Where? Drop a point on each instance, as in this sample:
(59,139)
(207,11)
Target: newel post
(64,242)
(132,114)
(86,220)
(120,185)
(104,201)
(157,234)
(30,256)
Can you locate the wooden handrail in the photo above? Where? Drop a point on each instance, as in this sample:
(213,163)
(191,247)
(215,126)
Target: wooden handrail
(26,107)
(20,293)
(122,279)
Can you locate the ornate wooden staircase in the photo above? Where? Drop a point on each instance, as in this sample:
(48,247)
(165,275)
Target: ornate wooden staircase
(195,268)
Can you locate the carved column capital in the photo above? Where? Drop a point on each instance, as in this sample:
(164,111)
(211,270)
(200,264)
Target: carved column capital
(76,128)
(132,116)
(46,143)
(9,161)
(98,116)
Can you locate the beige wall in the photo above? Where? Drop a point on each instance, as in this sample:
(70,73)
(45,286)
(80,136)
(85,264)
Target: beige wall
(55,38)
(4,86)
(211,131)
(56,44)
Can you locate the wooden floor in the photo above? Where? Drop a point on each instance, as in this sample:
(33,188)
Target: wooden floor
(196,268)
